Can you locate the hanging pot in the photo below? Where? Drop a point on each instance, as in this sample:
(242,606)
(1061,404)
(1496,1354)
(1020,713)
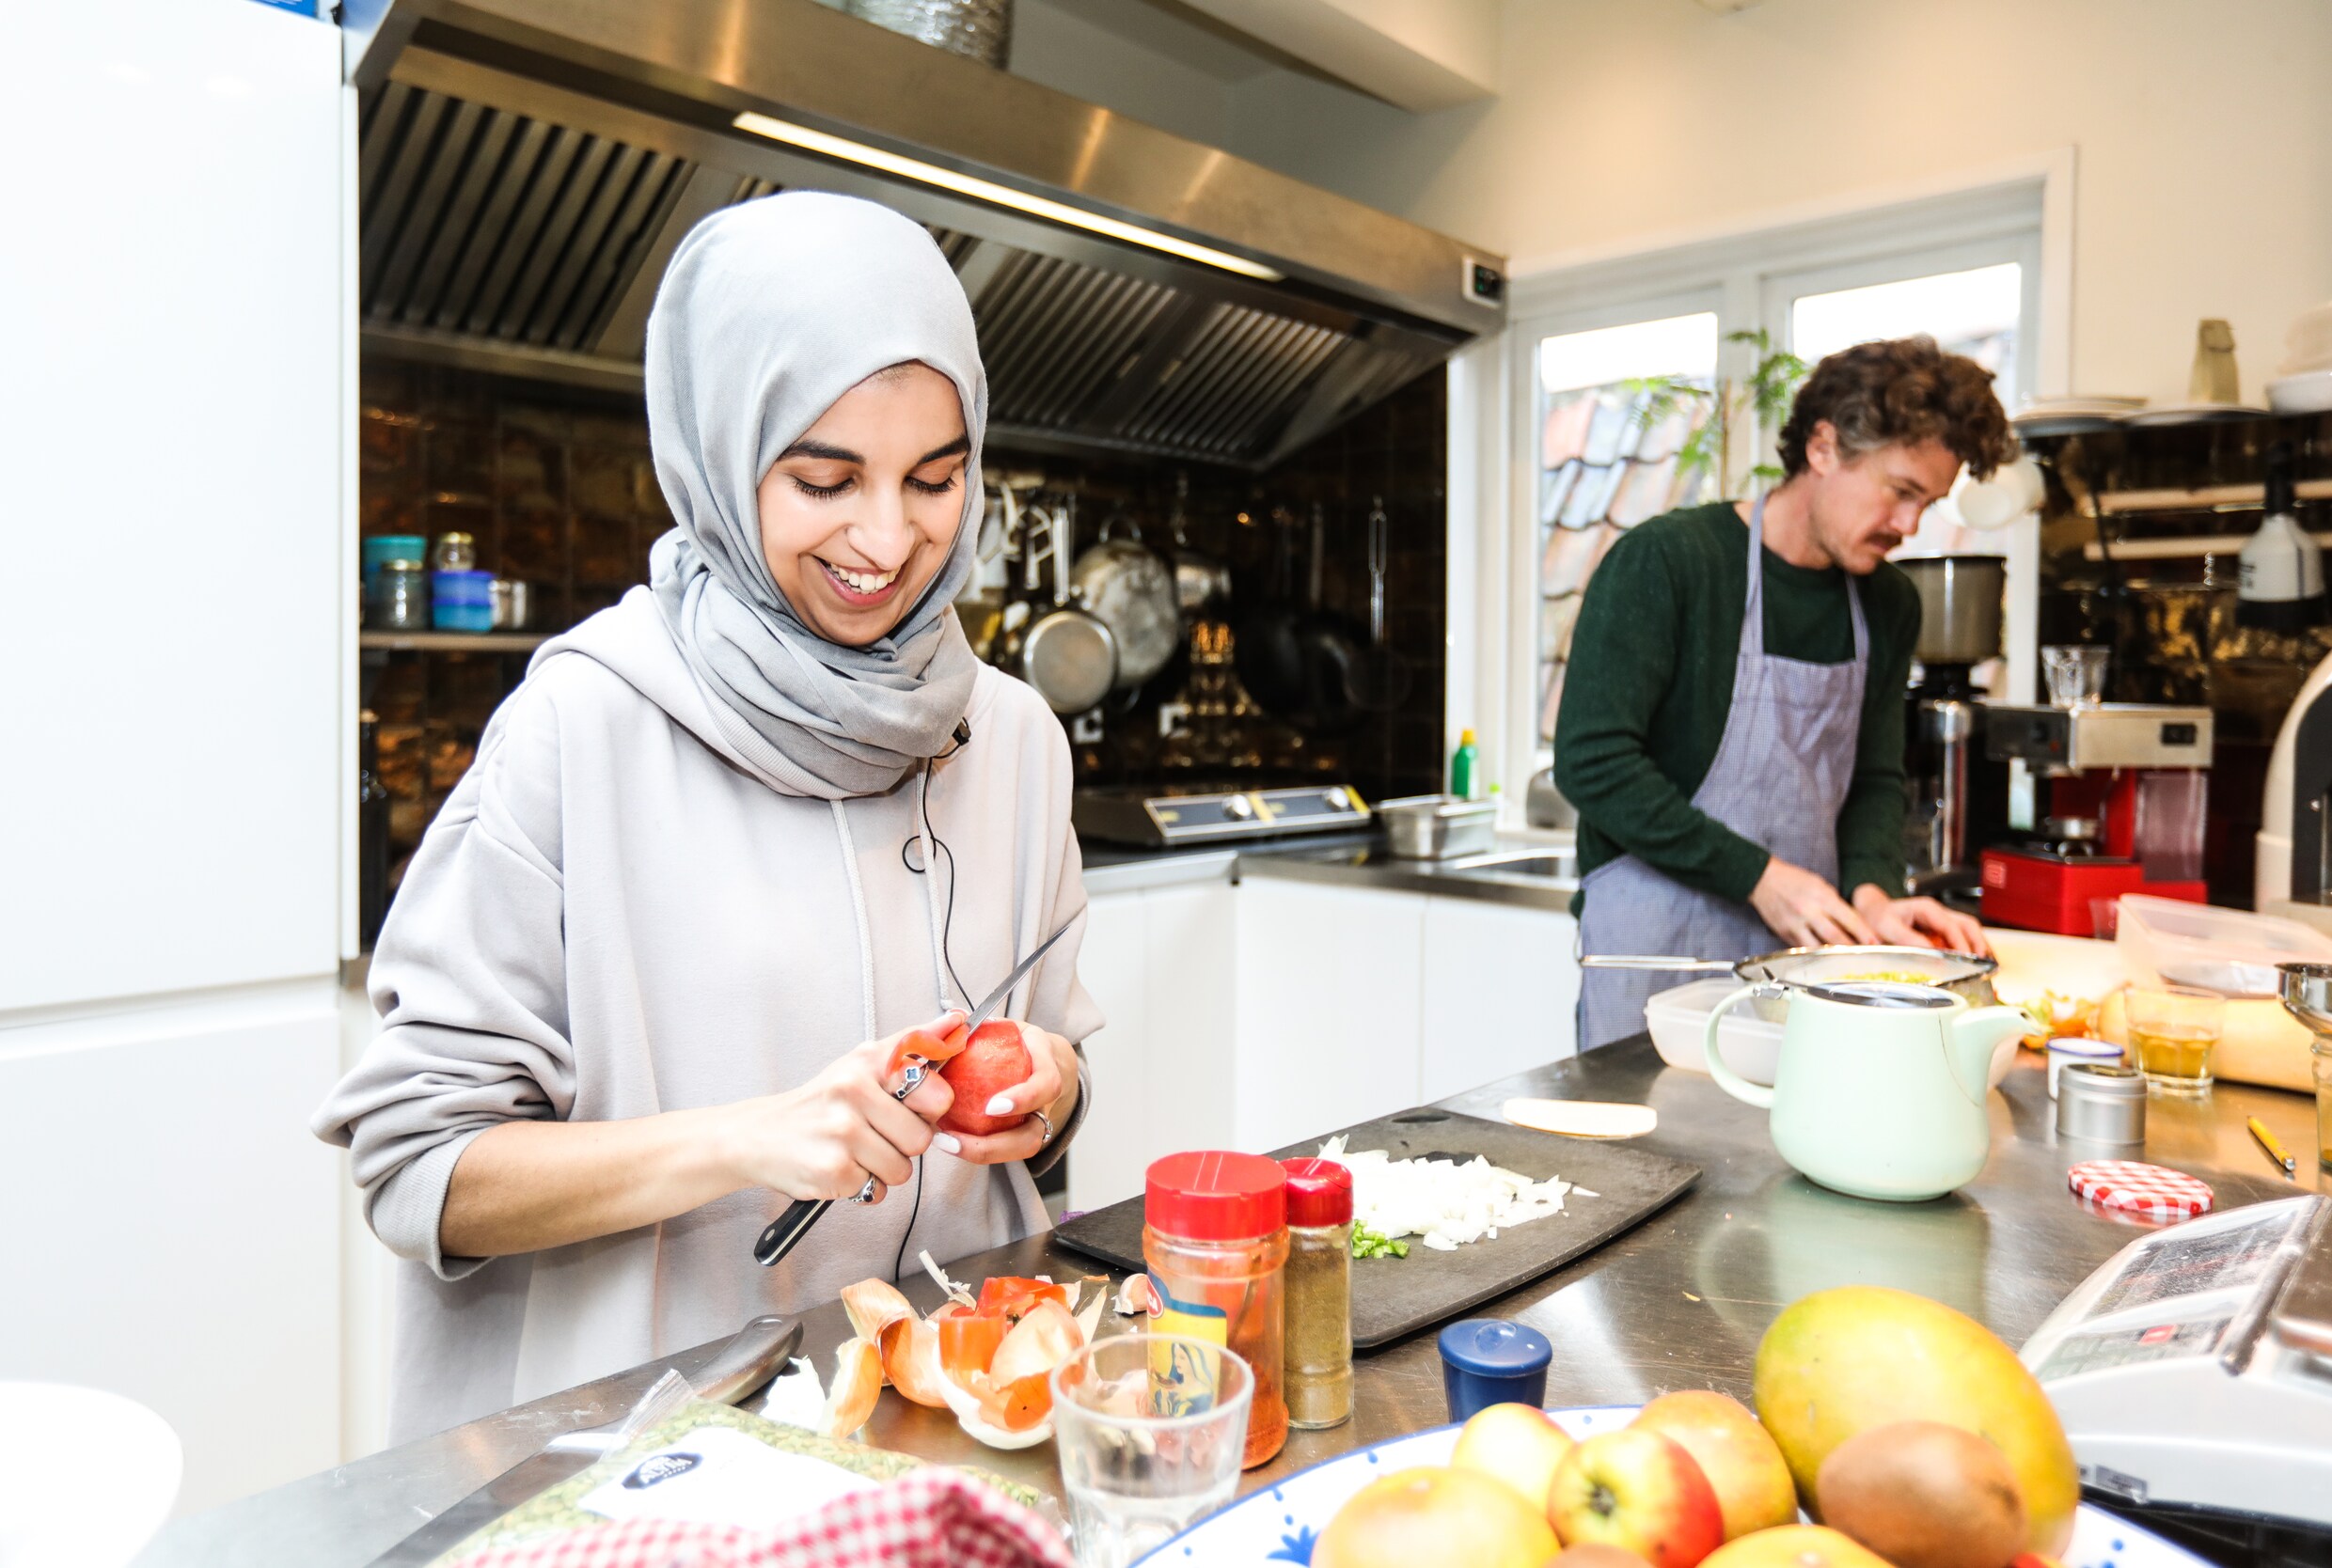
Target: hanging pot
(1201,583)
(1068,655)
(1269,653)
(1133,592)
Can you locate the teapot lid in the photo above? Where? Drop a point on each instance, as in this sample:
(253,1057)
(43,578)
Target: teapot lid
(1886,994)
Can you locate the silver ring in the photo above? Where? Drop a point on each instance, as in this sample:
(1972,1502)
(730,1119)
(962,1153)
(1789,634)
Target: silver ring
(1048,1122)
(866,1193)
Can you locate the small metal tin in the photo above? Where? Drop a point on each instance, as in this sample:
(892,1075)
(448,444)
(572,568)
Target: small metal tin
(2101,1104)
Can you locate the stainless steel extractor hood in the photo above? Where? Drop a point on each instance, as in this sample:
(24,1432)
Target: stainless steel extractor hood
(527,168)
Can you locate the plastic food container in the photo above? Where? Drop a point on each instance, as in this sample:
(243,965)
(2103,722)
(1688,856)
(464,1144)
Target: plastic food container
(1749,1045)
(2228,951)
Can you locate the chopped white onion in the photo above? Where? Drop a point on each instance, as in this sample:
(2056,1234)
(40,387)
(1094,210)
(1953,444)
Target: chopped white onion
(1446,1202)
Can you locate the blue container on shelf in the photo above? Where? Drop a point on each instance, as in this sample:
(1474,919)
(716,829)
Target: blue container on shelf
(461,600)
(380,549)
(1487,1361)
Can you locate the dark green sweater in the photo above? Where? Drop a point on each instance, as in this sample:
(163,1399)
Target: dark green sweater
(1650,681)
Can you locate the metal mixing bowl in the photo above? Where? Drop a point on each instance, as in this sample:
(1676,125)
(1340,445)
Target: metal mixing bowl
(1778,973)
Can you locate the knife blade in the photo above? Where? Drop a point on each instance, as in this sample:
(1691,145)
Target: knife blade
(744,1364)
(800,1214)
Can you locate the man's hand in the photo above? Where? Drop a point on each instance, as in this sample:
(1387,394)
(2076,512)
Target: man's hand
(1802,909)
(1919,922)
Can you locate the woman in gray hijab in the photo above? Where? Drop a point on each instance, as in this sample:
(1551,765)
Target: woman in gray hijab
(727,842)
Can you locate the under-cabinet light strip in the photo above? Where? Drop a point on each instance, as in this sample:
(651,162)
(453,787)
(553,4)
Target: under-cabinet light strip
(1001,195)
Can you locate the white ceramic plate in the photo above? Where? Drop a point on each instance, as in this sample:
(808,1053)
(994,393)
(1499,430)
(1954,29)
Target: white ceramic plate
(1280,1524)
(2194,414)
(85,1477)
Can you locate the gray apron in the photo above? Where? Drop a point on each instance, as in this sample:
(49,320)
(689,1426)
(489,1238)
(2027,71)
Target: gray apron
(1780,776)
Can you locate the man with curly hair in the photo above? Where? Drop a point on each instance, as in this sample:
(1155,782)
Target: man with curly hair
(1732,722)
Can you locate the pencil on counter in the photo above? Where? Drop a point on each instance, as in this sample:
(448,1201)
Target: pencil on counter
(2275,1150)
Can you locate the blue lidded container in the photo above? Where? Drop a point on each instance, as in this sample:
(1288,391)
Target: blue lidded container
(1487,1361)
(461,600)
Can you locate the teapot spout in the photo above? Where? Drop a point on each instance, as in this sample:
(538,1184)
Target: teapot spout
(1973,1039)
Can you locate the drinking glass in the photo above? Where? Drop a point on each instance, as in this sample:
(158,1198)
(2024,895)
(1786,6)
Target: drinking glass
(2172,1029)
(1150,1429)
(2076,676)
(2106,918)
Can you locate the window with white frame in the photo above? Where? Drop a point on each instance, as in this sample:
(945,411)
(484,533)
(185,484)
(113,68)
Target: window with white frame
(1964,270)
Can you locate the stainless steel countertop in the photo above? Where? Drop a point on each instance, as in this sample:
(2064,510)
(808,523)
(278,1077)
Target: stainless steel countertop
(1678,1302)
(1346,860)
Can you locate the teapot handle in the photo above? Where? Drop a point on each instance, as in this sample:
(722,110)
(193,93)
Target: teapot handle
(1731,1082)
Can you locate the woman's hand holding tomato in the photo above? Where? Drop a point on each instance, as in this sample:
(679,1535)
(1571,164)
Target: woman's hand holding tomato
(1049,1087)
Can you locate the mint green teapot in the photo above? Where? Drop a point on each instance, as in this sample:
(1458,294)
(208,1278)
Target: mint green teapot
(1880,1088)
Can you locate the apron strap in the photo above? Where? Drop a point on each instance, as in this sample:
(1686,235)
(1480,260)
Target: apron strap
(1753,610)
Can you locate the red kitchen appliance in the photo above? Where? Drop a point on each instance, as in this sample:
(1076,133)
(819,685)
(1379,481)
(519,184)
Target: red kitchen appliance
(2135,771)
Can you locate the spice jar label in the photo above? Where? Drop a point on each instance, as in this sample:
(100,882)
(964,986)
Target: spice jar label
(1176,1375)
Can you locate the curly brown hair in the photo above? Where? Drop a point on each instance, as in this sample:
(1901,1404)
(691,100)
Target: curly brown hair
(1902,389)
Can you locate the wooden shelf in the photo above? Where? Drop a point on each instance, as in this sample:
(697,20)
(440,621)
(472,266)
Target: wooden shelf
(452,642)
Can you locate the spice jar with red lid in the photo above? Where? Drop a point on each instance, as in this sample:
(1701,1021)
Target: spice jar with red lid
(1319,1345)
(1214,1235)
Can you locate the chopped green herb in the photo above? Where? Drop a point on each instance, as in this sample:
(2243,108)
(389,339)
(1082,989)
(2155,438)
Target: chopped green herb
(1369,1243)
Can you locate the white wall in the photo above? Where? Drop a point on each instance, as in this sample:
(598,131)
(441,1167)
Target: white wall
(174,637)
(2203,134)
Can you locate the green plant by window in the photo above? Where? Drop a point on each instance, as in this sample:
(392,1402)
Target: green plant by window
(1762,401)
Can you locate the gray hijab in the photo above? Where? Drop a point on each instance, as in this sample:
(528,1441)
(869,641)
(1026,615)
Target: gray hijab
(770,311)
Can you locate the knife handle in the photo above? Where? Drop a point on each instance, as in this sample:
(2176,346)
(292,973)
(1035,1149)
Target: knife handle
(789,1227)
(747,1361)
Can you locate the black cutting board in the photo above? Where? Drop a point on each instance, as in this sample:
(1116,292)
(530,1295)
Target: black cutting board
(1397,1296)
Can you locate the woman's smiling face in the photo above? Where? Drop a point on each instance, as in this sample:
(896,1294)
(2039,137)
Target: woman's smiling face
(857,515)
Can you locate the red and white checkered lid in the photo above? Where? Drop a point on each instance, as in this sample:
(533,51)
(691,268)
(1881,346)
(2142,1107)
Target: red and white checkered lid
(2136,1187)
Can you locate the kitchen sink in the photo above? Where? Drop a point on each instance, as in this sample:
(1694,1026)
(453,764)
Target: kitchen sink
(1557,865)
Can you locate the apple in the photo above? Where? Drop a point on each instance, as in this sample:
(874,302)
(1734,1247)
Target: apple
(1518,1443)
(1435,1516)
(1591,1554)
(992,1060)
(1741,1459)
(1794,1547)
(1638,1490)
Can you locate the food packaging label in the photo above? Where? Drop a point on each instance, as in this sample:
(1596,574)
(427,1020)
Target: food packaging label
(718,1476)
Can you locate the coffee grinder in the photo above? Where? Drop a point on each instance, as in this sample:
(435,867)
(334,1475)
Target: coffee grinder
(1959,605)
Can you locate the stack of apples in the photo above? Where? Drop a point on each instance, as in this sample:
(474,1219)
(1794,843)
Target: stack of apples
(1910,1431)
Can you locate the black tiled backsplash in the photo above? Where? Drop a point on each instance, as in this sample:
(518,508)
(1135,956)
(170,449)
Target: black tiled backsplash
(558,488)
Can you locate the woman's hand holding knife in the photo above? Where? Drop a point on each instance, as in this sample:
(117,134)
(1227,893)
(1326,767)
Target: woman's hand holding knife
(827,1138)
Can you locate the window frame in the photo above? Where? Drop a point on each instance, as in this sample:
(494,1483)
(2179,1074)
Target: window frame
(1751,277)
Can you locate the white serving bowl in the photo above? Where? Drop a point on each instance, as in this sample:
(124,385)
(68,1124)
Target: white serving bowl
(1750,1045)
(2308,392)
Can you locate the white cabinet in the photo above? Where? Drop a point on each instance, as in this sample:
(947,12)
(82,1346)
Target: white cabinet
(1159,962)
(1329,999)
(1256,1015)
(1501,992)
(172,1232)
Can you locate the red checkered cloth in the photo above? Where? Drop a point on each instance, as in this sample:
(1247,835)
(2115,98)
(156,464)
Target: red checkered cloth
(931,1518)
(2151,1190)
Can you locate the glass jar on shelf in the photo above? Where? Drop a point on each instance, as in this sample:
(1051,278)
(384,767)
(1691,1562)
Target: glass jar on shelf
(401,596)
(456,552)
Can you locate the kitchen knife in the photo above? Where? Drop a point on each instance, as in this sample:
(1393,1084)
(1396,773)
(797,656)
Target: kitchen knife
(744,1364)
(800,1214)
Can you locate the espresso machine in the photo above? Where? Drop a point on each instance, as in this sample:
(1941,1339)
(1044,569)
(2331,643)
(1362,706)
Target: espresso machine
(2121,790)
(1959,605)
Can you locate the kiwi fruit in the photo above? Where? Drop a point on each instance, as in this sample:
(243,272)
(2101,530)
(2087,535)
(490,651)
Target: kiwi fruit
(1924,1495)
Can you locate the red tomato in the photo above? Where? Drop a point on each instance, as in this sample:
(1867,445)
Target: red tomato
(1011,1299)
(968,1344)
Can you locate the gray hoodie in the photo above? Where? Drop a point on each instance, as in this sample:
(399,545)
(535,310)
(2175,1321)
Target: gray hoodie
(620,912)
